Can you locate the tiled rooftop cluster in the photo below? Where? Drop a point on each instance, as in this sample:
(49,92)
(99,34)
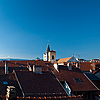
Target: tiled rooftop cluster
(52,83)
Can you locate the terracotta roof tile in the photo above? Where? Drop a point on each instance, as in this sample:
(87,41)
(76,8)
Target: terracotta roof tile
(69,75)
(40,84)
(63,60)
(86,66)
(52,51)
(22,65)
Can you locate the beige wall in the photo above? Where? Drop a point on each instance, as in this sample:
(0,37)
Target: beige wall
(50,54)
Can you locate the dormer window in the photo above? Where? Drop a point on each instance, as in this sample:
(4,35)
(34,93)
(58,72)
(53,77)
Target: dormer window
(78,80)
(5,82)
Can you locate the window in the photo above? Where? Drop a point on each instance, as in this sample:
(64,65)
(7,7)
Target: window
(78,80)
(5,82)
(53,57)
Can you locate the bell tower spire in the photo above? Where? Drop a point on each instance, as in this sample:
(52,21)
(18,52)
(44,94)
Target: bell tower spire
(49,55)
(48,48)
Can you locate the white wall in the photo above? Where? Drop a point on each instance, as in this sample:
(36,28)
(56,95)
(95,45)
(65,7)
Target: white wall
(50,54)
(60,63)
(45,57)
(67,88)
(56,66)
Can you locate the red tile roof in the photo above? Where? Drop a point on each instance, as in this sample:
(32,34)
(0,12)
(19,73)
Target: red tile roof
(86,66)
(22,65)
(52,51)
(69,75)
(40,84)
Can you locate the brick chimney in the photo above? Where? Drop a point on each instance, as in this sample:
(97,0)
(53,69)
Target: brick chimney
(37,69)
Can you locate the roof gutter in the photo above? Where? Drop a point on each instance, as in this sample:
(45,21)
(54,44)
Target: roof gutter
(19,83)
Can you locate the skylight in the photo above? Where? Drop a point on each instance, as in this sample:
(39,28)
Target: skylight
(5,82)
(78,80)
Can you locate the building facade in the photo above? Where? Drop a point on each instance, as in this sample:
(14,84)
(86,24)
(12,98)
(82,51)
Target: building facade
(50,55)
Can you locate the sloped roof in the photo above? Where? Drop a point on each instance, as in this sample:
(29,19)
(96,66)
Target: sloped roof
(91,76)
(39,84)
(63,60)
(68,75)
(11,80)
(22,65)
(97,83)
(52,51)
(96,71)
(86,66)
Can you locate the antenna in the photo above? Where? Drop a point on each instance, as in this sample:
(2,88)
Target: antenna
(73,55)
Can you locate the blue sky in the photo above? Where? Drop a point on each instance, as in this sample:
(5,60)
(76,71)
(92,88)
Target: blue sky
(71,26)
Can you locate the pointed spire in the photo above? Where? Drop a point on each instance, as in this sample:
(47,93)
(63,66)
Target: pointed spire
(48,48)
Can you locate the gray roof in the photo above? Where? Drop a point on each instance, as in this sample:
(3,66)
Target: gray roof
(91,76)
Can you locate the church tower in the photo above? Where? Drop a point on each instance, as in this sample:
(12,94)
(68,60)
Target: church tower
(49,55)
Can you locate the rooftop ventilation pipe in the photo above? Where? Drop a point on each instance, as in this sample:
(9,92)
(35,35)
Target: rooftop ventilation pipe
(6,68)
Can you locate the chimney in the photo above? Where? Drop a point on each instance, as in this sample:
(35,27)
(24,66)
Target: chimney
(56,66)
(69,66)
(29,67)
(11,93)
(37,69)
(6,68)
(77,65)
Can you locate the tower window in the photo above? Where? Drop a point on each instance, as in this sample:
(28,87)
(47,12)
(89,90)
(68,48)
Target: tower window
(52,57)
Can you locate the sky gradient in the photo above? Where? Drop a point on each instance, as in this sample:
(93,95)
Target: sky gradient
(71,26)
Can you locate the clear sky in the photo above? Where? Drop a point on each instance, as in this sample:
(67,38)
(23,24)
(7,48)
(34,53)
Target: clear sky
(71,26)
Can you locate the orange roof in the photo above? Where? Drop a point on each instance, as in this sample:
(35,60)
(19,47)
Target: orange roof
(63,60)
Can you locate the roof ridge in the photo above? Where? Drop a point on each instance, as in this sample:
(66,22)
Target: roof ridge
(65,58)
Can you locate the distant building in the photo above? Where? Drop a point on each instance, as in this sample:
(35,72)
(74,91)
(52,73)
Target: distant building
(37,79)
(66,61)
(82,60)
(49,55)
(95,60)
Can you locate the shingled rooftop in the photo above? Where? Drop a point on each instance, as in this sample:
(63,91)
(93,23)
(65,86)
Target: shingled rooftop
(39,85)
